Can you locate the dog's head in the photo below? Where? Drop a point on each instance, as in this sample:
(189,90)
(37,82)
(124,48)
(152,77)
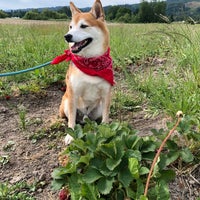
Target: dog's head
(88,35)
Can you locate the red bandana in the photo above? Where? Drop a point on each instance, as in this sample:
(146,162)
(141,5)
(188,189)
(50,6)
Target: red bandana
(97,66)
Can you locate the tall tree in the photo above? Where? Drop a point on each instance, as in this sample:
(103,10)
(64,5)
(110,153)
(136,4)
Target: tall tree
(3,14)
(146,13)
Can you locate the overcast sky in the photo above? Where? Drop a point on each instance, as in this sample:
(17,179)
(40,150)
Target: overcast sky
(19,4)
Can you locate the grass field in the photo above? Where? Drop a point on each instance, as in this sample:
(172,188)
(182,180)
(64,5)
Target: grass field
(160,62)
(156,71)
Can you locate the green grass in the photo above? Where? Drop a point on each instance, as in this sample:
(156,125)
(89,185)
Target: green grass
(167,87)
(24,46)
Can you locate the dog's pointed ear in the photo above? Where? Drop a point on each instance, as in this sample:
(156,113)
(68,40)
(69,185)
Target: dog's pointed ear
(97,10)
(74,9)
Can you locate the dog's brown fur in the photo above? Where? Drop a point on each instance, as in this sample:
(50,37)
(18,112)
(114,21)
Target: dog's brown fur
(90,94)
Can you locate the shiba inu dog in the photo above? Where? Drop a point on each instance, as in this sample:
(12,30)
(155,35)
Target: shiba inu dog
(89,78)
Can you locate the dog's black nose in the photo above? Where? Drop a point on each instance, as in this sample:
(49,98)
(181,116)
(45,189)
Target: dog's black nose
(68,37)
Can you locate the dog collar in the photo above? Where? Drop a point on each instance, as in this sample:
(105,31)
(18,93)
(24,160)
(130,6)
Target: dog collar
(96,66)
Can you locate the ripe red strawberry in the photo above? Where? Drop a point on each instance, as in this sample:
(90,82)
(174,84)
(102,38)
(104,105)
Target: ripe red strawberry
(7,97)
(64,194)
(63,89)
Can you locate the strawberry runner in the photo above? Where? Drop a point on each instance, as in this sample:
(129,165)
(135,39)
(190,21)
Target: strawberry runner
(100,66)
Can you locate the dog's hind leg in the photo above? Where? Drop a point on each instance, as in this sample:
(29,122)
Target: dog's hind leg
(68,110)
(61,110)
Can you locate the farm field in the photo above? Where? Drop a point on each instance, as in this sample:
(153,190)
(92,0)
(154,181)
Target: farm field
(157,73)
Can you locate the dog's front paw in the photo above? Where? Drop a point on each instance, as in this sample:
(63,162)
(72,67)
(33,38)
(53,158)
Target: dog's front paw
(68,139)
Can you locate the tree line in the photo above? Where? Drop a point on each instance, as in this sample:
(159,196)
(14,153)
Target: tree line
(46,14)
(145,12)
(37,14)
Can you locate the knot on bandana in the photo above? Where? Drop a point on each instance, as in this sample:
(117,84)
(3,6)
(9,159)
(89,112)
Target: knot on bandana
(96,66)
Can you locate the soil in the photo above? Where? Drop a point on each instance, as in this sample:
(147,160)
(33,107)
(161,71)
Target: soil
(30,161)
(33,161)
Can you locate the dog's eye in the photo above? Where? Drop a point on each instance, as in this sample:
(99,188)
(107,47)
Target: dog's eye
(84,26)
(70,27)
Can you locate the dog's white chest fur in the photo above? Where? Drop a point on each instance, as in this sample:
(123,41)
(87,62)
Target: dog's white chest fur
(88,89)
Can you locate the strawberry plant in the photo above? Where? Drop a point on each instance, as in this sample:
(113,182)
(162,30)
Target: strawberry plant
(112,162)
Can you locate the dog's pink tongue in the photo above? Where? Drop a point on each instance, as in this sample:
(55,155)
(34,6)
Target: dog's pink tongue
(77,45)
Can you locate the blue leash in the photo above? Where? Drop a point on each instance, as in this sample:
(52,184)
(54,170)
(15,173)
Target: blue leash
(25,70)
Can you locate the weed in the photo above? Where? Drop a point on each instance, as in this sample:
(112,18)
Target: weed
(22,116)
(4,159)
(9,146)
(56,131)
(125,102)
(5,88)
(17,191)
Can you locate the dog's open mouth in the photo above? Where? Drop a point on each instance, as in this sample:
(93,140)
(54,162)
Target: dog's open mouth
(78,46)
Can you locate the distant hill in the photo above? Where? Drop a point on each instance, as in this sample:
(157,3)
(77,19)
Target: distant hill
(181,9)
(193,4)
